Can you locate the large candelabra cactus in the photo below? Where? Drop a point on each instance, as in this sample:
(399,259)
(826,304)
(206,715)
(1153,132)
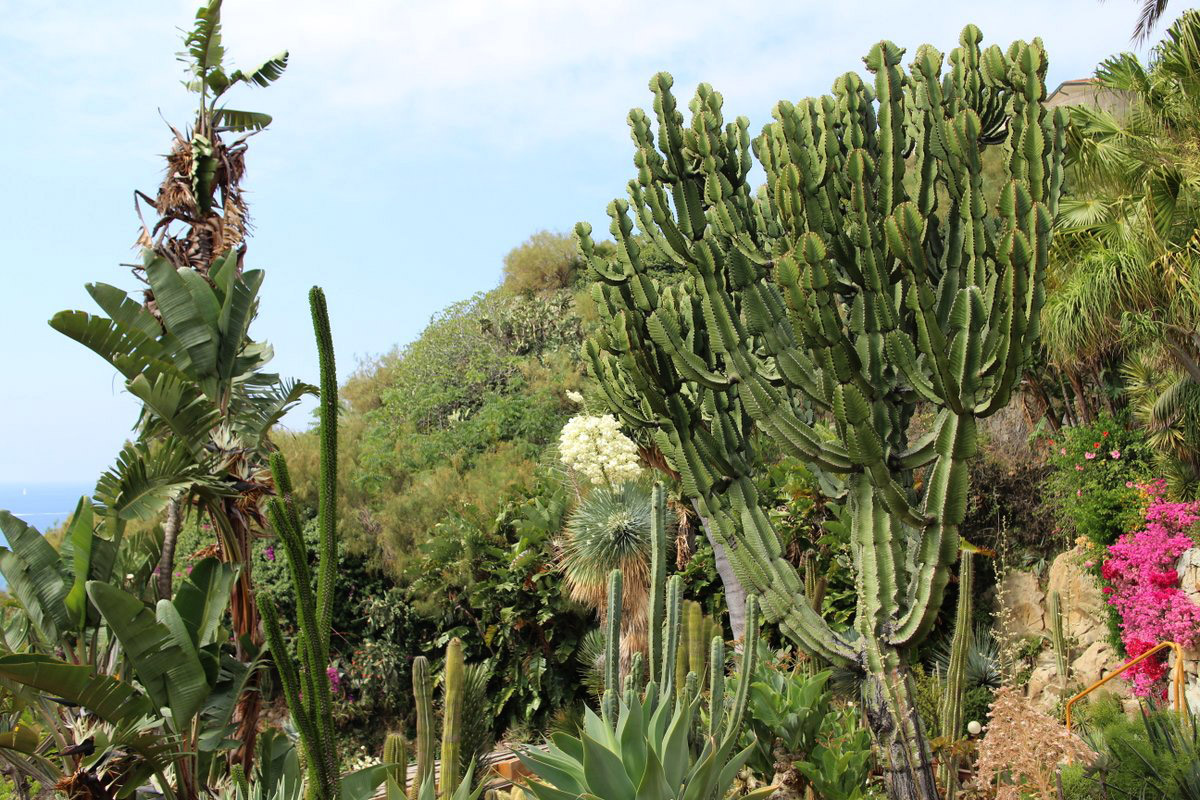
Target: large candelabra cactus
(868,275)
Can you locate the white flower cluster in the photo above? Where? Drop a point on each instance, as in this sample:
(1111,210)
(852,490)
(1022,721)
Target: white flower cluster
(596,448)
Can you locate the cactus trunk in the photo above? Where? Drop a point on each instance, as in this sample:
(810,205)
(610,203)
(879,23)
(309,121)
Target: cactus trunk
(1059,639)
(956,673)
(869,276)
(452,694)
(396,754)
(423,698)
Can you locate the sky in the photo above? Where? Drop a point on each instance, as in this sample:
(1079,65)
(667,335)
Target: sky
(414,145)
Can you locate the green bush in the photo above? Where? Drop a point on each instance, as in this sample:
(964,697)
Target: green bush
(545,261)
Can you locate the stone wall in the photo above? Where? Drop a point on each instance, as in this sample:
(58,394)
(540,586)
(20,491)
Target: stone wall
(1025,608)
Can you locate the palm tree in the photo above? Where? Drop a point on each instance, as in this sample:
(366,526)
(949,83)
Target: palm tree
(1124,292)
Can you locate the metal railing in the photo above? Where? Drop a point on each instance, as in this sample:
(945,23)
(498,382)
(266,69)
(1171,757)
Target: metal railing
(1177,677)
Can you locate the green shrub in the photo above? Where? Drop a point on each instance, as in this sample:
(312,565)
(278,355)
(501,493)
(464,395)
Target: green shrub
(545,261)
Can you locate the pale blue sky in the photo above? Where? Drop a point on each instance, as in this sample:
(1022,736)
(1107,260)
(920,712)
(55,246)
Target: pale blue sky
(414,144)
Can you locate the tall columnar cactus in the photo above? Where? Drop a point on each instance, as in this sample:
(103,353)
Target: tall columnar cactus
(395,752)
(956,672)
(868,275)
(1059,640)
(423,699)
(451,720)
(306,686)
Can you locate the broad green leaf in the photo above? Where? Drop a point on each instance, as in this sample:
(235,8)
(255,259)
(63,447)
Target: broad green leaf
(34,574)
(241,121)
(653,785)
(182,317)
(604,772)
(170,671)
(236,314)
(201,600)
(361,784)
(265,73)
(22,738)
(81,535)
(109,699)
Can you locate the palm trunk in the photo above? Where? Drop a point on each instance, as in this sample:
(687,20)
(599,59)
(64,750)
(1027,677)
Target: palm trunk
(735,593)
(166,562)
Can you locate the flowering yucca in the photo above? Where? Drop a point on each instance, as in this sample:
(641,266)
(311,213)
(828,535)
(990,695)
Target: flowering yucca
(595,448)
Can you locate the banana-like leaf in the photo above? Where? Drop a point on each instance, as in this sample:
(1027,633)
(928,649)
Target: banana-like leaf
(35,576)
(241,121)
(181,407)
(204,40)
(234,323)
(167,667)
(181,315)
(265,73)
(22,738)
(81,535)
(111,700)
(128,349)
(146,477)
(201,600)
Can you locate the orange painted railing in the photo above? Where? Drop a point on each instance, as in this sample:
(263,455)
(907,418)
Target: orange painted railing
(1177,677)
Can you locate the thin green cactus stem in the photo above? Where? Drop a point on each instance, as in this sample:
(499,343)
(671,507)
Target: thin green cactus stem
(423,698)
(452,699)
(306,687)
(658,575)
(612,648)
(1059,639)
(956,674)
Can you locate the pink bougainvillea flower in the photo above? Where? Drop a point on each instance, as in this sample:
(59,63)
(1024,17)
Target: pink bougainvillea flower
(1115,454)
(1089,456)
(1145,585)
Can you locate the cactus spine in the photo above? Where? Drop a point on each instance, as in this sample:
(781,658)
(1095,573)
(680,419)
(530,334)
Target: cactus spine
(423,696)
(451,720)
(1061,655)
(395,753)
(868,276)
(306,686)
(956,673)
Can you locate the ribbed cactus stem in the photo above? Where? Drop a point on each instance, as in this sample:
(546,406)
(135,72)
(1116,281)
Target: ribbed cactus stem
(716,686)
(452,698)
(1059,639)
(395,754)
(956,674)
(306,688)
(658,577)
(423,699)
(671,635)
(697,637)
(612,648)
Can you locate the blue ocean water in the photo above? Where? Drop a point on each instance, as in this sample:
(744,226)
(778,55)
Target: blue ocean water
(41,505)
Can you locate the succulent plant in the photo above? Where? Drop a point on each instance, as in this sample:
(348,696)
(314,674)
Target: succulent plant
(868,275)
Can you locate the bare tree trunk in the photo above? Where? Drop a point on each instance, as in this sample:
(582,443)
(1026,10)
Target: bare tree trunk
(735,593)
(900,738)
(166,562)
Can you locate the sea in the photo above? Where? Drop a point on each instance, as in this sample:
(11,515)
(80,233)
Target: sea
(40,505)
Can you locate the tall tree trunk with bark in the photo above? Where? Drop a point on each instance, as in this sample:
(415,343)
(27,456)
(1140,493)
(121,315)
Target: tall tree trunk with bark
(735,593)
(166,562)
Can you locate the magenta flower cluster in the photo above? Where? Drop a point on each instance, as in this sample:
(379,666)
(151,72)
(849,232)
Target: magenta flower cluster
(1144,586)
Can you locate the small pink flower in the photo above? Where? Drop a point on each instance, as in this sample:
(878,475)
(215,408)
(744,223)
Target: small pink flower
(1128,484)
(1079,467)
(1089,456)
(1089,564)
(1079,492)
(1062,451)
(1115,454)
